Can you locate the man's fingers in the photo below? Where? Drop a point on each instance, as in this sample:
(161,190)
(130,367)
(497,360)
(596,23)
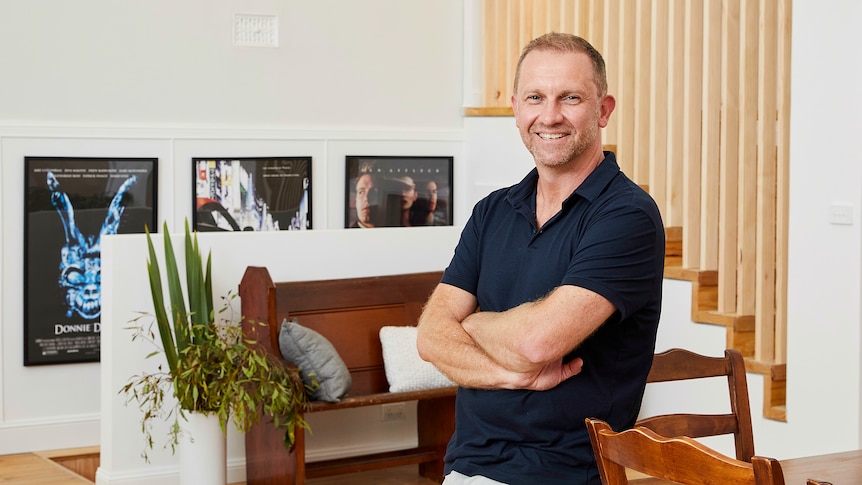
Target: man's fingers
(573,367)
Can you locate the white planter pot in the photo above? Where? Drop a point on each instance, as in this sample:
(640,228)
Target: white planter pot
(203,451)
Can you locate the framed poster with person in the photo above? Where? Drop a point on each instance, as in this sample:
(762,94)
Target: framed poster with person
(398,191)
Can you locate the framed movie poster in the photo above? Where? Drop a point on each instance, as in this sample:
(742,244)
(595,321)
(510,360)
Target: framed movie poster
(396,191)
(252,194)
(70,203)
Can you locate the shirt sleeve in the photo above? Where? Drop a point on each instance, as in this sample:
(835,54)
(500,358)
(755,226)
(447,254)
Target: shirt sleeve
(621,255)
(463,269)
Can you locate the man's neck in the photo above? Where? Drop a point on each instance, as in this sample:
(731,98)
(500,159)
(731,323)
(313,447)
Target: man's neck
(555,184)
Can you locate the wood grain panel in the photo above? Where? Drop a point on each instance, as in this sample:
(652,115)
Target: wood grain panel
(747,173)
(729,157)
(692,142)
(710,148)
(658,130)
(675,114)
(766,175)
(782,215)
(643,51)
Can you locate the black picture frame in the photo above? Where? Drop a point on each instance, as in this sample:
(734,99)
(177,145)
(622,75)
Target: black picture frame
(251,193)
(394,180)
(70,203)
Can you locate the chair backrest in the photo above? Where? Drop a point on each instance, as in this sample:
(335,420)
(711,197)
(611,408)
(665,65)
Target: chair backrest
(680,364)
(680,460)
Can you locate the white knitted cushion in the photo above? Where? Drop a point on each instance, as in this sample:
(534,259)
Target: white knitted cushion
(405,370)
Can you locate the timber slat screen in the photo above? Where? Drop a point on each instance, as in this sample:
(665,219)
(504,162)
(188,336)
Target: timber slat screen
(702,120)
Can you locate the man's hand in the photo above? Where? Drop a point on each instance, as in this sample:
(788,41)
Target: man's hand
(551,375)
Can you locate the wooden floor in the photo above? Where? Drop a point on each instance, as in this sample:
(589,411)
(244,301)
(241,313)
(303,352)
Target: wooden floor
(41,469)
(36,469)
(32,469)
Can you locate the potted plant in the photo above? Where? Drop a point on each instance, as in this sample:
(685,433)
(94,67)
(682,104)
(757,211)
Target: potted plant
(211,369)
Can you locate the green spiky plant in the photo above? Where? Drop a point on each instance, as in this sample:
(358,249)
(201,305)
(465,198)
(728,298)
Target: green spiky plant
(212,369)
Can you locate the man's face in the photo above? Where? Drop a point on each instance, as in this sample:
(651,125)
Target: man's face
(557,107)
(364,191)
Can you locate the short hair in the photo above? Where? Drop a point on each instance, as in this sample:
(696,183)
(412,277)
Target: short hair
(560,42)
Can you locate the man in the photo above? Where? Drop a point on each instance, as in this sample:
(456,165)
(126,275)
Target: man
(548,311)
(365,201)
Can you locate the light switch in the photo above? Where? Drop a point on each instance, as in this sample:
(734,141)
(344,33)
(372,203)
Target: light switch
(841,214)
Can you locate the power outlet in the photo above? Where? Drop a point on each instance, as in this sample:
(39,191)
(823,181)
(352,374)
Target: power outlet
(393,412)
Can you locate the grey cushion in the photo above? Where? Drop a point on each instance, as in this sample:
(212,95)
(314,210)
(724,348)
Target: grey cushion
(317,359)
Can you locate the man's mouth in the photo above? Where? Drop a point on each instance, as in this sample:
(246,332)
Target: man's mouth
(550,136)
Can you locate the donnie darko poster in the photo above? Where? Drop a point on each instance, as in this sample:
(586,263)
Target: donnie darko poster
(71,203)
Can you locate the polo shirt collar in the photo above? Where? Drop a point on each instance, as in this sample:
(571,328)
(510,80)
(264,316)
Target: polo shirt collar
(595,183)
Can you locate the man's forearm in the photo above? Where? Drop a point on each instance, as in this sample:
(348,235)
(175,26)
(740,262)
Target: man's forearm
(443,342)
(538,333)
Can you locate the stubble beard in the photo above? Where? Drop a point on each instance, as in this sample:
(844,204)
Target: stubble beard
(581,142)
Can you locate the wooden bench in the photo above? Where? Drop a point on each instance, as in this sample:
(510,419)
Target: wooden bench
(348,312)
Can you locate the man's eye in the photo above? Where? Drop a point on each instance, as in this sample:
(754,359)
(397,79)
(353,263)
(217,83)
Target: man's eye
(534,97)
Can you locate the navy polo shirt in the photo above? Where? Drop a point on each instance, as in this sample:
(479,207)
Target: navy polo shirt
(609,238)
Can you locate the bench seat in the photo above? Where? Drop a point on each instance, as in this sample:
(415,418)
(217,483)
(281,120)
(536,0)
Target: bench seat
(349,313)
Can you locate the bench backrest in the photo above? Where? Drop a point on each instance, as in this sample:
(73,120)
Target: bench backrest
(348,312)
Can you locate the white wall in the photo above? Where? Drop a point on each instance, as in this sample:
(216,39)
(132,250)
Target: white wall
(824,286)
(339,63)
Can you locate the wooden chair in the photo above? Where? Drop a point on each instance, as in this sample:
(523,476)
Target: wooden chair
(680,364)
(680,460)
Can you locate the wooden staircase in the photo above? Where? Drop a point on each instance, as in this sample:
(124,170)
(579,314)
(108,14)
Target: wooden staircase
(740,328)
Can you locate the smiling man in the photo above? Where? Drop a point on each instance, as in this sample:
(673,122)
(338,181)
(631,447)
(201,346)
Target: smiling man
(548,311)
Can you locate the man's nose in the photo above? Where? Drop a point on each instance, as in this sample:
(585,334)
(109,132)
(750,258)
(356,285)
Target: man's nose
(551,112)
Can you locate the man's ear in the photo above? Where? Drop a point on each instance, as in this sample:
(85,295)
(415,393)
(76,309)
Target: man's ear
(606,107)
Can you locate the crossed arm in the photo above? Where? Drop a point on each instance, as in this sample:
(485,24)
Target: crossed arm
(521,348)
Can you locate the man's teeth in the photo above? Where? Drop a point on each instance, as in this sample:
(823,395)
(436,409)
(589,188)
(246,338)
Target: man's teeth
(548,136)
